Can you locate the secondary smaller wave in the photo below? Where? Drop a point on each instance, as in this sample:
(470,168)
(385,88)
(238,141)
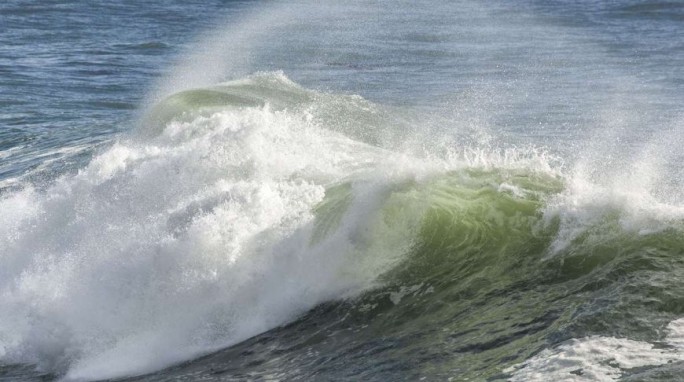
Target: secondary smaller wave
(599,358)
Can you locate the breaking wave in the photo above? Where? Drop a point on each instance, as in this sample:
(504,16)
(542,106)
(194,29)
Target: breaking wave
(238,208)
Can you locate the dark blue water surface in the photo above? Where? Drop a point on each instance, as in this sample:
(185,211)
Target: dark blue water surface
(73,73)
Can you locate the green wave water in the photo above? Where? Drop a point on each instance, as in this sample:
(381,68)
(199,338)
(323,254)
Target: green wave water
(482,286)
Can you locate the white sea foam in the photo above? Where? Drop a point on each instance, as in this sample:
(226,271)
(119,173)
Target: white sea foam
(600,358)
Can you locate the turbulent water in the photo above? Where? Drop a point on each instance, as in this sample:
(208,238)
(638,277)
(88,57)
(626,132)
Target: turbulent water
(371,190)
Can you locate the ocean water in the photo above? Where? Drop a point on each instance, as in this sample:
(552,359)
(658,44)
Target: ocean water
(341,191)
